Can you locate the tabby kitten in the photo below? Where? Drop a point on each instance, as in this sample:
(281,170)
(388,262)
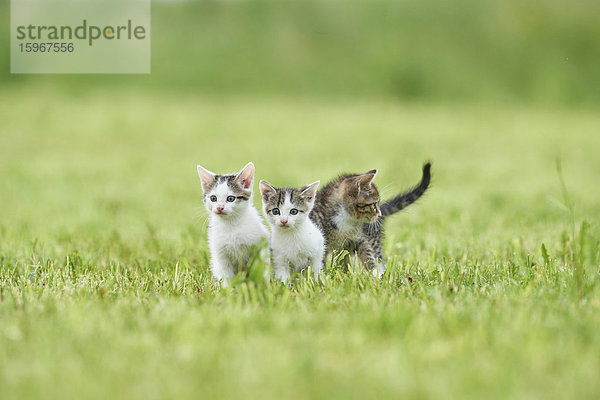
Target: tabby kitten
(349,213)
(234,224)
(296,243)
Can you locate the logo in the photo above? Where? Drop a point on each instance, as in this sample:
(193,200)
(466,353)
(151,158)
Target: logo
(80,36)
(84,31)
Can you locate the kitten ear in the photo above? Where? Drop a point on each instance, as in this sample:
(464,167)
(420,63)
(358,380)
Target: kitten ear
(245,177)
(207,178)
(266,190)
(366,179)
(309,192)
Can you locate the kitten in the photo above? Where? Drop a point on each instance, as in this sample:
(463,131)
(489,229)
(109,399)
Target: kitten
(348,212)
(296,242)
(234,224)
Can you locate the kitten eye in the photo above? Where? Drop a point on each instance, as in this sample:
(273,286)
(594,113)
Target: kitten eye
(213,198)
(231,199)
(275,211)
(293,211)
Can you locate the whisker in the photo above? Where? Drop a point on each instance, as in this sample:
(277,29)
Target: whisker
(201,216)
(372,228)
(384,192)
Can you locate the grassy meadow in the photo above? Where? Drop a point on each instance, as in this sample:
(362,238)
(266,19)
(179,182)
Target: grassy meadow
(493,288)
(105,289)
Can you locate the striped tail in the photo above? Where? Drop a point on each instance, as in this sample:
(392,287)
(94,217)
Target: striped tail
(403,200)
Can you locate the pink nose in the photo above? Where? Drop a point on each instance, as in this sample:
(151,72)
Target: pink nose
(219,209)
(284,221)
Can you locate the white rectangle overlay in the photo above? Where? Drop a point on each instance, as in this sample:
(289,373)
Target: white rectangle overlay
(80,36)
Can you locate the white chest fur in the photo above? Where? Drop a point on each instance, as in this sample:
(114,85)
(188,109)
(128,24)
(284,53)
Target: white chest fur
(231,239)
(297,249)
(347,228)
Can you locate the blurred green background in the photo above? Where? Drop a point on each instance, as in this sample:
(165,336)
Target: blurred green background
(542,51)
(105,290)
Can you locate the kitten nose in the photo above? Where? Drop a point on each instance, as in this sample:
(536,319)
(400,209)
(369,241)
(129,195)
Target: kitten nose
(284,221)
(220,208)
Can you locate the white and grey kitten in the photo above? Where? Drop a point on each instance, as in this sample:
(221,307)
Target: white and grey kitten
(234,224)
(296,242)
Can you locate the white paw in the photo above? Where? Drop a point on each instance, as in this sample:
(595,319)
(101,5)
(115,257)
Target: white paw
(378,271)
(223,282)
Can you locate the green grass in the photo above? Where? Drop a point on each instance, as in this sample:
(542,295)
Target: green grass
(105,290)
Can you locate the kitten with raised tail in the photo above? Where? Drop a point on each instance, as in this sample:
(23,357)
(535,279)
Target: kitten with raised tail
(296,242)
(234,226)
(348,212)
